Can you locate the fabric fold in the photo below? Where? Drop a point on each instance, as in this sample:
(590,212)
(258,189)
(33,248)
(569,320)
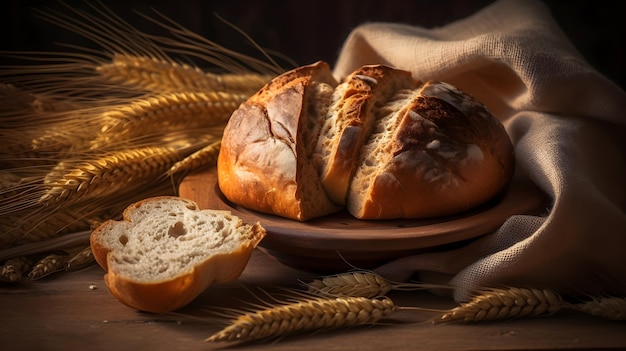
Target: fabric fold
(567,123)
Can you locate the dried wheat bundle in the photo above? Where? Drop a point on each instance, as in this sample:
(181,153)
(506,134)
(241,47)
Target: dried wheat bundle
(87,131)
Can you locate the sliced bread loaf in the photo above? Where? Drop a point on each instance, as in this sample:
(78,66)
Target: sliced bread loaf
(167,251)
(380,144)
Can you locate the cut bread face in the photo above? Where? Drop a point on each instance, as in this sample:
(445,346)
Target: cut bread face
(349,122)
(166,252)
(380,144)
(265,161)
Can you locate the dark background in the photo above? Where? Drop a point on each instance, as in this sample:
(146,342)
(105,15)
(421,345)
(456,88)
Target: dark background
(307,31)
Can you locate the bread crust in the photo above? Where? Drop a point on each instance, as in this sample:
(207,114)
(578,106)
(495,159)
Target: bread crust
(265,158)
(170,295)
(390,147)
(443,158)
(160,296)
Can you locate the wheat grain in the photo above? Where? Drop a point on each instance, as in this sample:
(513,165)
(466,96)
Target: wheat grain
(307,314)
(166,76)
(610,307)
(207,156)
(361,283)
(170,112)
(188,108)
(364,284)
(49,264)
(96,129)
(80,259)
(106,175)
(504,303)
(14,268)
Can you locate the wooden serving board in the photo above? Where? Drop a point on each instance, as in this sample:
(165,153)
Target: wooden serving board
(328,244)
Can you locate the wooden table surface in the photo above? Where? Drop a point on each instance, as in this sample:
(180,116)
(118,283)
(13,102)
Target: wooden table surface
(75,311)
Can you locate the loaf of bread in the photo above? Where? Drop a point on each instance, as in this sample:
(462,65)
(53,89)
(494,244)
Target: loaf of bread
(380,144)
(166,251)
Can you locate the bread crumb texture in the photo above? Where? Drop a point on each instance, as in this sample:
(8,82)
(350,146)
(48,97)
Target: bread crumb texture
(164,238)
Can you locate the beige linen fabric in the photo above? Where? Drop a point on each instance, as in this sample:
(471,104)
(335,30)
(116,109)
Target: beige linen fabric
(567,124)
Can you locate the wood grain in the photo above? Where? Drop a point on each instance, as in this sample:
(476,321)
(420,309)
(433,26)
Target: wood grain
(63,313)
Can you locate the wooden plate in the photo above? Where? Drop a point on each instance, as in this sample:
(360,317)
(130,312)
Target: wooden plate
(328,244)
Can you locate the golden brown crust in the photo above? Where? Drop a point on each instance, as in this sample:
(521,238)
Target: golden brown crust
(166,296)
(403,151)
(442,161)
(264,161)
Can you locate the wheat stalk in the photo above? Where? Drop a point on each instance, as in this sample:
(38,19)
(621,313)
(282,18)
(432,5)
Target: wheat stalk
(359,283)
(609,307)
(307,314)
(84,132)
(166,112)
(24,227)
(80,259)
(207,156)
(106,175)
(14,268)
(49,264)
(158,75)
(504,303)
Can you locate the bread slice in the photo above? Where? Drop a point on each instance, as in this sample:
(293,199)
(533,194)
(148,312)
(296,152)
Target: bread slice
(265,161)
(166,251)
(436,152)
(349,122)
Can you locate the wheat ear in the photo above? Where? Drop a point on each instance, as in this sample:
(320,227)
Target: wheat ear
(610,307)
(166,112)
(173,109)
(304,315)
(49,264)
(504,303)
(14,268)
(80,259)
(106,175)
(159,75)
(359,283)
(207,156)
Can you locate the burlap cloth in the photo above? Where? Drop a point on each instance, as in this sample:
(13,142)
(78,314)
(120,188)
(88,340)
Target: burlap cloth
(567,123)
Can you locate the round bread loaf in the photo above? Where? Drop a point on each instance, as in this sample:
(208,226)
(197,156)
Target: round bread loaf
(380,144)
